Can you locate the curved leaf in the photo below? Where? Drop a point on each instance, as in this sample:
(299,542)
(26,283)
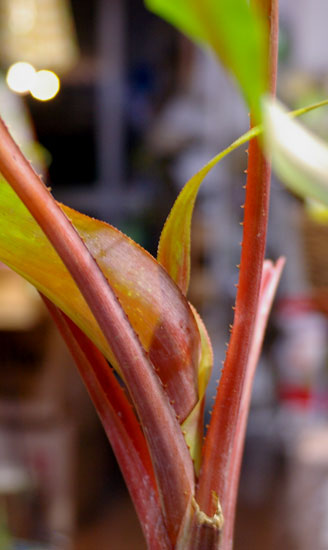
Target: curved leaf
(174,244)
(154,305)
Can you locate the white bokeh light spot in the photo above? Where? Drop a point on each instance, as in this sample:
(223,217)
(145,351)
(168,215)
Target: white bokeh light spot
(20,76)
(45,85)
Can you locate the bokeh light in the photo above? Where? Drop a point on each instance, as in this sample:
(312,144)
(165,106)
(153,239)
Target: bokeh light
(20,76)
(45,85)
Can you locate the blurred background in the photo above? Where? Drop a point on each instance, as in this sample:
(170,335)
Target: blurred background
(117,111)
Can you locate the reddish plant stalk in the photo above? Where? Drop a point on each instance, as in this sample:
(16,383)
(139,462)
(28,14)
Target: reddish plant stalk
(218,473)
(171,459)
(270,279)
(121,427)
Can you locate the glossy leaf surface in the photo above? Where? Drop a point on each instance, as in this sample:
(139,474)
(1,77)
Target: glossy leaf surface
(232,29)
(154,305)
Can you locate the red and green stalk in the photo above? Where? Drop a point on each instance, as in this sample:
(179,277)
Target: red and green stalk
(222,448)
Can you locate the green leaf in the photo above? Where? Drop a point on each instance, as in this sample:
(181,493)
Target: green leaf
(174,245)
(235,32)
(298,156)
(158,312)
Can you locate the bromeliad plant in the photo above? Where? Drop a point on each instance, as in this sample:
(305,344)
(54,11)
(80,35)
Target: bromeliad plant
(115,304)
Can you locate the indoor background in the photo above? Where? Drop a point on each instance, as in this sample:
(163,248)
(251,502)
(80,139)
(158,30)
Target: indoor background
(124,112)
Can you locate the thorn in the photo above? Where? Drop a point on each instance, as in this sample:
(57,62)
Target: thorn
(241,223)
(246,171)
(226,344)
(242,206)
(230,325)
(184,432)
(241,243)
(238,266)
(236,285)
(246,151)
(244,186)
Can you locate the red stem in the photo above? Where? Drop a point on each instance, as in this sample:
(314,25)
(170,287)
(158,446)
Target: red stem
(121,427)
(218,473)
(171,459)
(270,279)
(210,535)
